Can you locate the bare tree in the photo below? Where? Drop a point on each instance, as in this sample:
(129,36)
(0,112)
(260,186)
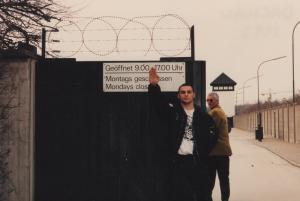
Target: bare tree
(22,20)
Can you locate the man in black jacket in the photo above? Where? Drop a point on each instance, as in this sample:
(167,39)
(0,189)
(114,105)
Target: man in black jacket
(192,136)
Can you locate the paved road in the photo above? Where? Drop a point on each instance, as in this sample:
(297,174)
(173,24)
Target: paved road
(258,174)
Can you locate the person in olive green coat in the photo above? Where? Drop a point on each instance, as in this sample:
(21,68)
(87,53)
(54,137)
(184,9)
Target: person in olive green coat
(219,156)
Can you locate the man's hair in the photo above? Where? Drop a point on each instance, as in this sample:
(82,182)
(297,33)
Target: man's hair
(185,84)
(215,95)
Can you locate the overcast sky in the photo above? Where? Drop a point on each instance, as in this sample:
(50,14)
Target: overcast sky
(232,36)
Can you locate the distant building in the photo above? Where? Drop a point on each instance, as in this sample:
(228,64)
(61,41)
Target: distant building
(224,86)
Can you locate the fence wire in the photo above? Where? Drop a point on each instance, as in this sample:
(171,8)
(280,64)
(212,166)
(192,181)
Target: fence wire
(167,35)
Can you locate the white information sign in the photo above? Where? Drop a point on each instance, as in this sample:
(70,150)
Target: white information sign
(134,77)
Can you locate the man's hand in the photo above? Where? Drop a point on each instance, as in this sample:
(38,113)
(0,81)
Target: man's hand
(153,77)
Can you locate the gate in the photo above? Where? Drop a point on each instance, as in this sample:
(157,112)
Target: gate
(93,146)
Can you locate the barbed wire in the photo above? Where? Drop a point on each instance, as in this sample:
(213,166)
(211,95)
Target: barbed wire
(86,37)
(131,50)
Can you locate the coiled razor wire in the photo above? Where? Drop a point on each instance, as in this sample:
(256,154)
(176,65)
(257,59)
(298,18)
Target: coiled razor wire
(69,26)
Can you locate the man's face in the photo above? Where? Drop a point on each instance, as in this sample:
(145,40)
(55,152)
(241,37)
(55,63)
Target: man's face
(211,102)
(186,94)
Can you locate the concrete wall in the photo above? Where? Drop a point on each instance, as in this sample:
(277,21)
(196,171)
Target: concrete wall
(20,141)
(281,122)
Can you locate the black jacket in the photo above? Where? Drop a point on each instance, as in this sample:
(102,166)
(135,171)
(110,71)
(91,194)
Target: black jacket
(204,130)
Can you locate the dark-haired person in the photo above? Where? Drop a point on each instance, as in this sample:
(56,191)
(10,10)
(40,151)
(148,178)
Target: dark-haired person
(191,138)
(219,156)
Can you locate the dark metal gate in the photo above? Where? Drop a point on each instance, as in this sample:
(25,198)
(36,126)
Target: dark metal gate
(93,146)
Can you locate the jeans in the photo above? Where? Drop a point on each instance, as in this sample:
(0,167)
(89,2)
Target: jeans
(220,165)
(190,179)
